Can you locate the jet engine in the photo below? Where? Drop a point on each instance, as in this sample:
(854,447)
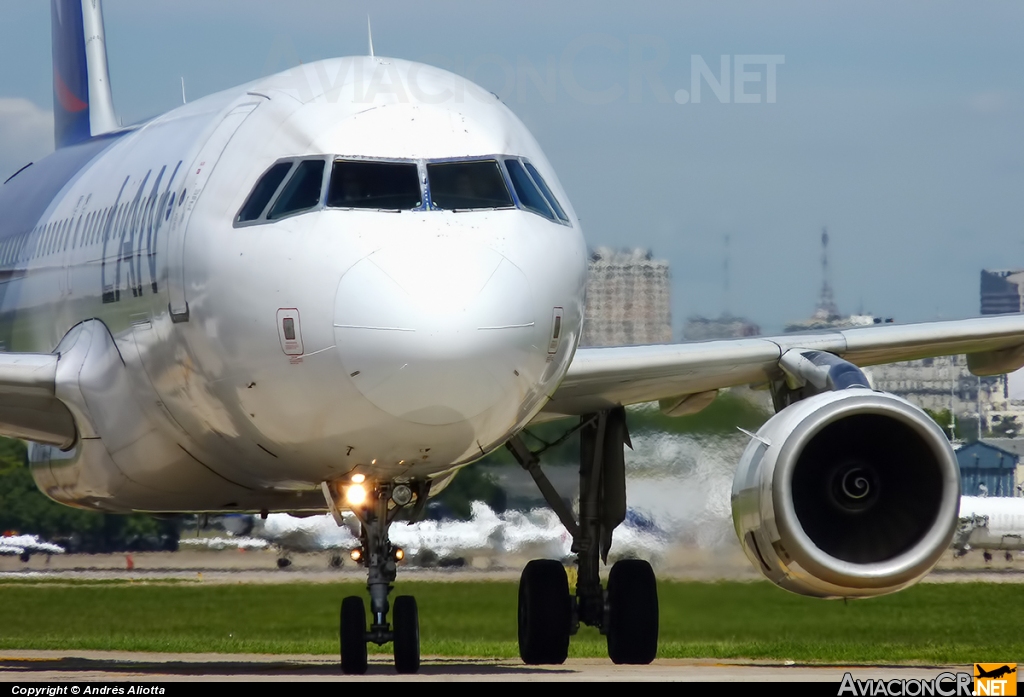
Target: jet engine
(847,493)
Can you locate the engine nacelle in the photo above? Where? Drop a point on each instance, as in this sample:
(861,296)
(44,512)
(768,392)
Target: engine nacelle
(852,493)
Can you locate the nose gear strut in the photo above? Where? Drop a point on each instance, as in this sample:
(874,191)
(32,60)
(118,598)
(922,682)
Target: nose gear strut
(380,557)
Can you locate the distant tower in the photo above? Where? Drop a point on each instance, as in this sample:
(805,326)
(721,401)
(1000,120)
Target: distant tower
(726,326)
(725,281)
(826,303)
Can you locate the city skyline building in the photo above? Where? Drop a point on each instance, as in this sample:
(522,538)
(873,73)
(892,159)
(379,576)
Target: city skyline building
(628,299)
(725,326)
(1002,291)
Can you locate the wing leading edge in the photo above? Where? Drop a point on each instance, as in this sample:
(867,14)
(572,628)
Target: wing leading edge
(29,407)
(600,378)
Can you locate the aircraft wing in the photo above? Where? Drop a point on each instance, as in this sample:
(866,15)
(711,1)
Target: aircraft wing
(600,378)
(29,407)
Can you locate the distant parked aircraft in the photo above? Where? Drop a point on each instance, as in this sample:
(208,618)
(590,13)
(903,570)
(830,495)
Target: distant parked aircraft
(486,534)
(24,546)
(990,523)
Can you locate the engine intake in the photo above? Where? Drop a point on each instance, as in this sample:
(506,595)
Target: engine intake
(850,493)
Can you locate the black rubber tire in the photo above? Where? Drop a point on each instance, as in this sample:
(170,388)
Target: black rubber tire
(545,613)
(632,613)
(406,625)
(353,636)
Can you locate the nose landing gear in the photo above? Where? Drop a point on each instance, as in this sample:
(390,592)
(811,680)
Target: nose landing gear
(627,613)
(376,510)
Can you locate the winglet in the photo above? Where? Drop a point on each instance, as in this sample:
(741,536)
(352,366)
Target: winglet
(369,33)
(82,103)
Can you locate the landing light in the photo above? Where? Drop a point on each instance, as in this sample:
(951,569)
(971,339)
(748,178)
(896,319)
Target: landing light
(356,554)
(401,494)
(358,478)
(399,554)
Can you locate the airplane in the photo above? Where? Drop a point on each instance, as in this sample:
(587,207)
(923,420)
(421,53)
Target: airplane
(486,534)
(331,288)
(995,672)
(990,523)
(312,533)
(481,534)
(24,546)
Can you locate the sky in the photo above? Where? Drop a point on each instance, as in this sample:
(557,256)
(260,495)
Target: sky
(896,125)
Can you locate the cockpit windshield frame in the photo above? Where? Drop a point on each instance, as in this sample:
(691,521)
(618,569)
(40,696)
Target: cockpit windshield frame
(552,210)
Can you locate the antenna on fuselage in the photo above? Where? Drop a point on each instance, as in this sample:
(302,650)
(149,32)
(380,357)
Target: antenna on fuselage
(183,91)
(369,34)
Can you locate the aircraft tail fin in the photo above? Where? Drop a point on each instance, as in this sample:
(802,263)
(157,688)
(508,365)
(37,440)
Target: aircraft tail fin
(82,103)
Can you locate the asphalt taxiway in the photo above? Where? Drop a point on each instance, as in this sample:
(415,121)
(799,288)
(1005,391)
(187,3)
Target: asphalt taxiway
(82,666)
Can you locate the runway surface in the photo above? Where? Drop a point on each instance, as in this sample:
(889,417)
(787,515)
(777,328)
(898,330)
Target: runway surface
(81,666)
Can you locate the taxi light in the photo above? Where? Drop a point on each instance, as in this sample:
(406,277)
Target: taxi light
(356,554)
(355,495)
(358,478)
(399,554)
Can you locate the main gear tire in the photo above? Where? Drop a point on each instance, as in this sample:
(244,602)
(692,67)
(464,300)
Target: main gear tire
(632,613)
(545,613)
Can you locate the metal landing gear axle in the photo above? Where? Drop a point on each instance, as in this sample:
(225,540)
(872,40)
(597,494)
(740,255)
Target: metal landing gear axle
(376,507)
(627,612)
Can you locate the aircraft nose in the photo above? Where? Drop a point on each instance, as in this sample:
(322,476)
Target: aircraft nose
(433,332)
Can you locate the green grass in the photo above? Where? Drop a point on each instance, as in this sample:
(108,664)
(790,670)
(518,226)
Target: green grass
(934,623)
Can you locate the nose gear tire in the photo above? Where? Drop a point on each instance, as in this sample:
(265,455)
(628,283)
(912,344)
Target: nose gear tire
(407,634)
(353,636)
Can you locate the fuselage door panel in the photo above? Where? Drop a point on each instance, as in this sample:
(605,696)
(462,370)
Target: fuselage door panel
(194,184)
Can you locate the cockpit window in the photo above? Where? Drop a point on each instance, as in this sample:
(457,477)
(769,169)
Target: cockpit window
(375,185)
(302,191)
(529,195)
(263,191)
(467,185)
(552,201)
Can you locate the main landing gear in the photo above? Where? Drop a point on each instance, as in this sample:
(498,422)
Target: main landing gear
(627,612)
(376,507)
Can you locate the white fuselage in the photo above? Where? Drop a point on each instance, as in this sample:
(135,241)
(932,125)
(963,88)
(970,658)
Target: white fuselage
(421,339)
(991,522)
